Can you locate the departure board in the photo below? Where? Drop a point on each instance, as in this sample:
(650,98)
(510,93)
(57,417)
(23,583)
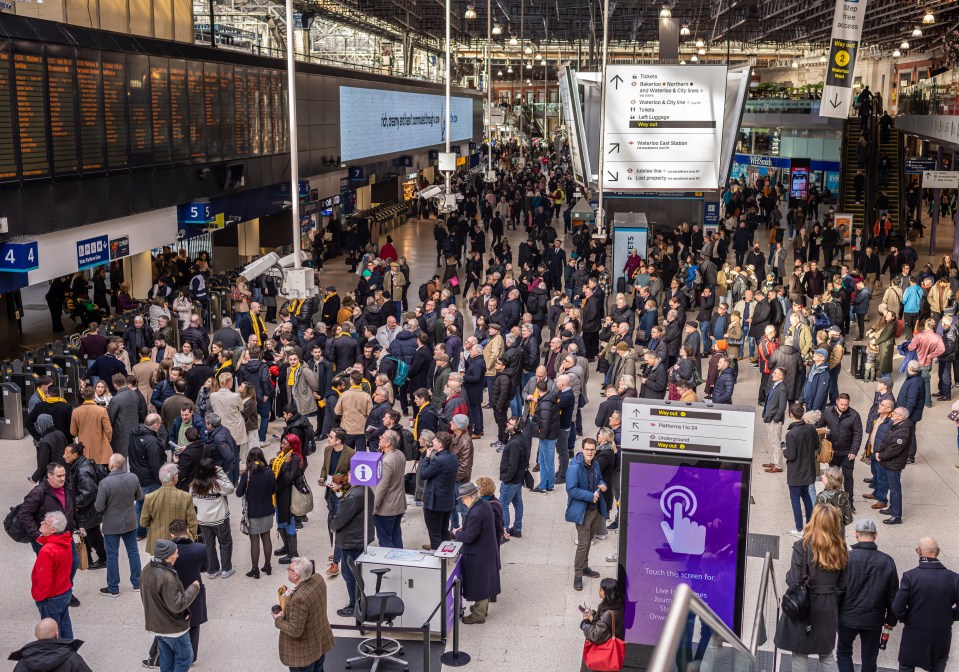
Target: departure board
(31,112)
(138,102)
(160,106)
(115,110)
(279,122)
(241,112)
(8,155)
(89,86)
(197,110)
(211,96)
(266,114)
(284,114)
(227,105)
(63,110)
(180,110)
(256,120)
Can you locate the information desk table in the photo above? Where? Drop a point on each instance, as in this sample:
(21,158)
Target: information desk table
(418,578)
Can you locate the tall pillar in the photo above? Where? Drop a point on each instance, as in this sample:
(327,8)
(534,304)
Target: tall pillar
(248,238)
(936,195)
(140,274)
(668,41)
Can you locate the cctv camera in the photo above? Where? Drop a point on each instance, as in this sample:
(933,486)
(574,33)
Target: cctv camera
(430,192)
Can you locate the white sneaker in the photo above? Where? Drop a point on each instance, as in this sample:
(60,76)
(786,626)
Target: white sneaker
(612,558)
(592,542)
(600,537)
(795,533)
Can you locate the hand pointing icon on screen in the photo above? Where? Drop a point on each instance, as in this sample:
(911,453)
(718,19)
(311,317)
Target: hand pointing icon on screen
(684,536)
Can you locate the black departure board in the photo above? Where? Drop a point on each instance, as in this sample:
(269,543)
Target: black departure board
(160,106)
(28,78)
(68,111)
(8,152)
(61,68)
(115,110)
(179,110)
(89,87)
(138,109)
(256,119)
(241,112)
(211,96)
(197,110)
(227,105)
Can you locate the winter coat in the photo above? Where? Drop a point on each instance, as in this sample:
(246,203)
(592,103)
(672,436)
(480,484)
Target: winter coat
(894,448)
(49,449)
(924,604)
(802,448)
(655,385)
(214,507)
(229,406)
(581,482)
(500,393)
(116,497)
(723,390)
(912,396)
(91,425)
(871,585)
(389,494)
(50,655)
(190,564)
(40,501)
(439,474)
(343,352)
(515,459)
(816,388)
(546,417)
(825,592)
(845,430)
(83,480)
(347,523)
(147,455)
(125,415)
(788,357)
(886,340)
(288,474)
(165,601)
(480,562)
(258,487)
(404,346)
(51,570)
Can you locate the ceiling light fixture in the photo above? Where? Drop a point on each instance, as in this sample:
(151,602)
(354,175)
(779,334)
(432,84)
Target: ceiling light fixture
(684,31)
(904,45)
(499,73)
(513,41)
(694,59)
(823,59)
(527,50)
(700,43)
(529,65)
(529,82)
(896,53)
(509,69)
(917,32)
(470,12)
(795,65)
(702,51)
(539,56)
(664,13)
(497,29)
(682,62)
(929,18)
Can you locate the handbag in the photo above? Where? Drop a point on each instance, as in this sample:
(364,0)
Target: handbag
(301,498)
(795,601)
(825,451)
(82,552)
(245,519)
(608,656)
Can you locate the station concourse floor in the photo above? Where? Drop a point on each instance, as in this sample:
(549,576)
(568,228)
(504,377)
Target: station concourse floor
(535,621)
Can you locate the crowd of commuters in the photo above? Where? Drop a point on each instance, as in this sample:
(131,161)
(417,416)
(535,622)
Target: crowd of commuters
(170,446)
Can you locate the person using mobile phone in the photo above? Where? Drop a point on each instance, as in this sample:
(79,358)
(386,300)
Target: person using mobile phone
(605,622)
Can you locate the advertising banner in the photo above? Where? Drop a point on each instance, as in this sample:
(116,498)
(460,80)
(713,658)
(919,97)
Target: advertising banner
(374,122)
(685,522)
(843,51)
(625,239)
(119,248)
(663,126)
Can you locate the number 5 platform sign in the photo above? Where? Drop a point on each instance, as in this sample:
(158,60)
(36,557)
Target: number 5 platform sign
(93,252)
(19,257)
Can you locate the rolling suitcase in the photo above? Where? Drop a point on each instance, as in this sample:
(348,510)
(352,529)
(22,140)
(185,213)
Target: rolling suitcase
(858,361)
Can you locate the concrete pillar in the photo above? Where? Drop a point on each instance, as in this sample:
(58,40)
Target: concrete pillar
(248,238)
(669,40)
(140,274)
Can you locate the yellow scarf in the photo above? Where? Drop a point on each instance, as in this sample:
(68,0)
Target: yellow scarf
(275,466)
(55,400)
(258,328)
(532,403)
(291,379)
(296,305)
(416,422)
(222,366)
(145,359)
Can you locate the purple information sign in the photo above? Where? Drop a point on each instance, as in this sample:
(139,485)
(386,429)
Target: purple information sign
(683,526)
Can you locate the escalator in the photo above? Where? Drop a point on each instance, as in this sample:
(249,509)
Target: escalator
(850,167)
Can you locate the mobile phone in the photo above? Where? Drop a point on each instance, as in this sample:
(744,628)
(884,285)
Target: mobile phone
(275,608)
(582,609)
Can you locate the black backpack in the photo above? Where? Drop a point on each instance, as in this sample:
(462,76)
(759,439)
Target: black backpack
(14,527)
(410,449)
(309,447)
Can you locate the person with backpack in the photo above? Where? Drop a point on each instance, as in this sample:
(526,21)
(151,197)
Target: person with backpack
(389,495)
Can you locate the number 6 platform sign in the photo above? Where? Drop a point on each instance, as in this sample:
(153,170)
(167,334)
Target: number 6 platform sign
(366,469)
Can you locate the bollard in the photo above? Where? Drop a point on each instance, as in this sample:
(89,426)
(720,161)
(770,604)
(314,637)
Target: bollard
(456,658)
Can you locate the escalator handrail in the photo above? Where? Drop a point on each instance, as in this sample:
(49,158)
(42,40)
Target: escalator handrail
(767,580)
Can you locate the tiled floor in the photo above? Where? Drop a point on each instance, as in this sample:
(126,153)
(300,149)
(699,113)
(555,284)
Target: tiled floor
(536,616)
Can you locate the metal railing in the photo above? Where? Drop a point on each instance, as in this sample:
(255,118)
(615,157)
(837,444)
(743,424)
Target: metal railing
(936,96)
(782,106)
(717,646)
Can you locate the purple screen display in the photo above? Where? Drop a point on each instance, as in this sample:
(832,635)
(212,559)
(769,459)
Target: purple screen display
(682,527)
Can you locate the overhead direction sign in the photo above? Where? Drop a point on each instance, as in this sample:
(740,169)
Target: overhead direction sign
(663,127)
(940,179)
(843,51)
(719,430)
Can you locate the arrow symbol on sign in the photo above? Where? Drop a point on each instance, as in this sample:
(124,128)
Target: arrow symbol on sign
(615,81)
(637,413)
(835,101)
(613,145)
(612,177)
(635,437)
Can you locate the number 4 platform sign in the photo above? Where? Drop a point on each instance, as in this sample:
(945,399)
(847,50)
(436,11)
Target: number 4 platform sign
(19,257)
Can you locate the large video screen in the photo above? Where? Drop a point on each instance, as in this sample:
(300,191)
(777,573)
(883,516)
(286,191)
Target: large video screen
(375,122)
(685,523)
(110,111)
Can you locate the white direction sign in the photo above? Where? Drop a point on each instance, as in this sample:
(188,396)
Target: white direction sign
(940,179)
(841,66)
(664,127)
(719,430)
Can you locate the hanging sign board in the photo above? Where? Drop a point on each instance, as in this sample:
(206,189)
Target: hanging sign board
(940,179)
(716,430)
(841,66)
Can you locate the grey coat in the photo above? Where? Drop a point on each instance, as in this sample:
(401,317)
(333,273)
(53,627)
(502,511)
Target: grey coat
(115,500)
(124,413)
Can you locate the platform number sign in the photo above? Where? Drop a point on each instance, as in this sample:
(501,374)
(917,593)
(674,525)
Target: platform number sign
(19,257)
(196,213)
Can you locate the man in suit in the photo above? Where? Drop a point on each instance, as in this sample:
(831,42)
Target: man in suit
(189,566)
(774,413)
(305,633)
(167,504)
(927,604)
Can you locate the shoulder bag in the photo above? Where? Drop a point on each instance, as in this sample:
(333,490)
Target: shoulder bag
(825,450)
(795,601)
(301,498)
(608,656)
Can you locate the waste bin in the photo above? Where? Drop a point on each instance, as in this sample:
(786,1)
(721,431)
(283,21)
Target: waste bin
(11,412)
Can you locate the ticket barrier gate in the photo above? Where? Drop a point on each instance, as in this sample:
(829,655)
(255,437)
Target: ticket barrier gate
(41,368)
(220,307)
(72,373)
(11,412)
(26,382)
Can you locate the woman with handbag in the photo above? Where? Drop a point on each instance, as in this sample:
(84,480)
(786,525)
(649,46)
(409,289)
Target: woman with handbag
(257,486)
(816,580)
(287,468)
(605,631)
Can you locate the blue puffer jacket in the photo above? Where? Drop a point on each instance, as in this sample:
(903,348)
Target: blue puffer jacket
(404,346)
(723,391)
(912,299)
(580,491)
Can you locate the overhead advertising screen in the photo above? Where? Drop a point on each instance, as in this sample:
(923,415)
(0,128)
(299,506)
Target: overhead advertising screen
(663,127)
(374,122)
(685,522)
(573,116)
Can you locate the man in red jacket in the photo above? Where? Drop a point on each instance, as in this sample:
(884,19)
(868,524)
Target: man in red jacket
(51,586)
